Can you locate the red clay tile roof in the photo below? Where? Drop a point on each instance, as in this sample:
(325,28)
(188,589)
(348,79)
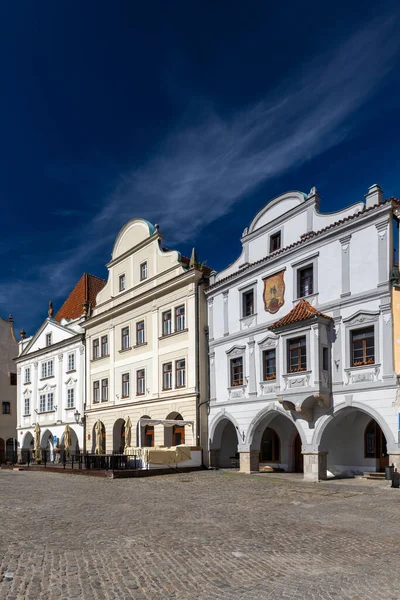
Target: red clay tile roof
(85,291)
(301,312)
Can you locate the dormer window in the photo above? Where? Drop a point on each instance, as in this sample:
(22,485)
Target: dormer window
(275,242)
(122,282)
(48,339)
(143,271)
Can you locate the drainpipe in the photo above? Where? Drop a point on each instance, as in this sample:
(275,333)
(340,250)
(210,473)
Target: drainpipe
(197,364)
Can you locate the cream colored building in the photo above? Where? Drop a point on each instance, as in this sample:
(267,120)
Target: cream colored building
(146,345)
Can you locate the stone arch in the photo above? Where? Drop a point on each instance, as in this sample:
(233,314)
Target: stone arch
(262,420)
(324,421)
(173,436)
(74,441)
(103,438)
(146,434)
(119,436)
(27,441)
(47,444)
(217,426)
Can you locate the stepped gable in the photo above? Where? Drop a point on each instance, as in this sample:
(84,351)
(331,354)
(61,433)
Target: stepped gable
(84,292)
(301,312)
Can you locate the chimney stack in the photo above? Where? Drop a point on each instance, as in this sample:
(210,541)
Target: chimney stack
(374,196)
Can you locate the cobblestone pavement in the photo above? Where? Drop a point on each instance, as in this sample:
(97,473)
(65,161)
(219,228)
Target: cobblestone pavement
(205,535)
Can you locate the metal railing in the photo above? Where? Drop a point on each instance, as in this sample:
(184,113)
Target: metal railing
(106,462)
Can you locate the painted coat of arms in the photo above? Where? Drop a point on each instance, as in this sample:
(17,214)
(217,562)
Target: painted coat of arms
(274,292)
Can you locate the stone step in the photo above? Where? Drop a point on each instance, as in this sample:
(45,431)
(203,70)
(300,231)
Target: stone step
(374,475)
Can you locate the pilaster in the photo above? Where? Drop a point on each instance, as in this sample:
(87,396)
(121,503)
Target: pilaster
(337,366)
(225,296)
(383,265)
(315,465)
(252,387)
(211,319)
(213,387)
(249,461)
(345,244)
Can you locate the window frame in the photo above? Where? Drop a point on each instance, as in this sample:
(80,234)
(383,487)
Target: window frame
(141,379)
(4,404)
(300,283)
(309,261)
(49,338)
(124,337)
(290,341)
(240,382)
(178,373)
(44,367)
(96,344)
(169,373)
(27,399)
(125,382)
(50,402)
(365,362)
(179,317)
(164,321)
(42,403)
(102,344)
(71,355)
(273,236)
(96,391)
(122,282)
(70,392)
(140,330)
(143,267)
(104,394)
(13,379)
(265,351)
(246,293)
(27,375)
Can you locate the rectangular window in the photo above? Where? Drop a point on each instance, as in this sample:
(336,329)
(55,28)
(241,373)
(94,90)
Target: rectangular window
(125,385)
(42,403)
(248,303)
(13,379)
(167,376)
(143,271)
(96,349)
(167,322)
(269,364)
(306,281)
(70,398)
(104,345)
(275,242)
(71,362)
(180,318)
(363,347)
(48,339)
(27,406)
(104,390)
(297,355)
(122,282)
(47,369)
(140,333)
(27,375)
(325,359)
(236,371)
(50,401)
(140,382)
(6,408)
(180,373)
(96,391)
(125,338)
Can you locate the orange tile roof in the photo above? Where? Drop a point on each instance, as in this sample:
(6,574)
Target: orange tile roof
(84,292)
(301,312)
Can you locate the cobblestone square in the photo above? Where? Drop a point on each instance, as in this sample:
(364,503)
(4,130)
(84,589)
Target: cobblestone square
(205,535)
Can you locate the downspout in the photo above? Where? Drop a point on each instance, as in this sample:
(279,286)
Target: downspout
(197,364)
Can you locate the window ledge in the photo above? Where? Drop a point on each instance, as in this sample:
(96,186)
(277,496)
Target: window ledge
(70,407)
(124,350)
(27,382)
(99,357)
(267,381)
(362,367)
(168,335)
(49,377)
(248,317)
(43,412)
(237,387)
(71,371)
(314,295)
(125,397)
(296,373)
(167,389)
(27,415)
(140,345)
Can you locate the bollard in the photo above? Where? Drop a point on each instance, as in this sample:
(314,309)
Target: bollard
(396,479)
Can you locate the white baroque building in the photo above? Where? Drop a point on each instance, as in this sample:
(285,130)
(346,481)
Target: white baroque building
(302,341)
(51,373)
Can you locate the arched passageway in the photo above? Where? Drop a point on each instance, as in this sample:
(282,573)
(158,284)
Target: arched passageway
(278,442)
(2,450)
(355,443)
(224,445)
(146,434)
(173,436)
(74,448)
(11,447)
(47,444)
(119,436)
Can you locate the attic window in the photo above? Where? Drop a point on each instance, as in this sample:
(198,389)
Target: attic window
(122,282)
(48,339)
(275,242)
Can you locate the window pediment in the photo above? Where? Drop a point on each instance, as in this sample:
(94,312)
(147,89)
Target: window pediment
(236,350)
(46,388)
(362,316)
(27,393)
(268,342)
(71,381)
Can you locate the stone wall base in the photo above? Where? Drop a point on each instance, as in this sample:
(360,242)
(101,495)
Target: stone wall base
(394,459)
(214,457)
(249,461)
(315,465)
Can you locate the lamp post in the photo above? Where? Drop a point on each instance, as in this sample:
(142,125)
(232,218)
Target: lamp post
(81,421)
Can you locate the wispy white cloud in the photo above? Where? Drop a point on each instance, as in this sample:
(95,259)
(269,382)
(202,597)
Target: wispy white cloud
(201,171)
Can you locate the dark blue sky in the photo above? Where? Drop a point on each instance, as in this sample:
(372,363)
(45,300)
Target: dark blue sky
(190,114)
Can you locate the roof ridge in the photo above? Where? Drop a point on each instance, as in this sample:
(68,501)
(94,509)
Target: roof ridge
(302,311)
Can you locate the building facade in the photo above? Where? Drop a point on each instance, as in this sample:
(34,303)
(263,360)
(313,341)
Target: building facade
(51,374)
(303,336)
(146,346)
(8,388)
